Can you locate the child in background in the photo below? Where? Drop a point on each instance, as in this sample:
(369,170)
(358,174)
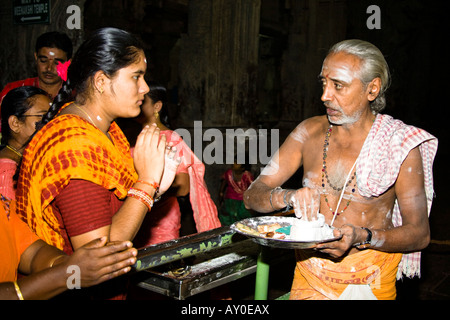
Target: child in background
(234,183)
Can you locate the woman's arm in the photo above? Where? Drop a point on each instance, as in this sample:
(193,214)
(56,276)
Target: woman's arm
(49,268)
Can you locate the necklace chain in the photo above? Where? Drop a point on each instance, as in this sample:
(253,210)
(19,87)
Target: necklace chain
(89,117)
(325,175)
(17,152)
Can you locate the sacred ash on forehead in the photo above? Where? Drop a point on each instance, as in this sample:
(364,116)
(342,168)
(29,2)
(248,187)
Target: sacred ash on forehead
(339,70)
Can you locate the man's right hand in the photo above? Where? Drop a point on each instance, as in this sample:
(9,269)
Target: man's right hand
(306,203)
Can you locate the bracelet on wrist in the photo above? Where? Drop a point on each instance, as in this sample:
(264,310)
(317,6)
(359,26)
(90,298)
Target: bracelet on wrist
(287,203)
(142,196)
(154,185)
(18,291)
(366,243)
(271,194)
(52,262)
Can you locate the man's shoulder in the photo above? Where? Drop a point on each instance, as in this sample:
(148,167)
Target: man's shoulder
(316,122)
(397,130)
(311,127)
(19,83)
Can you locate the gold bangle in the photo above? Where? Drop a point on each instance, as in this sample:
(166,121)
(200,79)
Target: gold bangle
(18,292)
(52,262)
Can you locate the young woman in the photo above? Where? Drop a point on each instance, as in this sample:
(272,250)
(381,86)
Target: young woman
(78,181)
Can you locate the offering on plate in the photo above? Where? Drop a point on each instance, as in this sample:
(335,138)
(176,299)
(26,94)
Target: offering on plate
(315,230)
(263,230)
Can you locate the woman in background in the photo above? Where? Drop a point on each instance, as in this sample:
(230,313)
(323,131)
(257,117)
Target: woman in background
(22,108)
(165,222)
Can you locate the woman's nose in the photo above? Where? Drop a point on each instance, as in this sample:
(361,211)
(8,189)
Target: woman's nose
(144,88)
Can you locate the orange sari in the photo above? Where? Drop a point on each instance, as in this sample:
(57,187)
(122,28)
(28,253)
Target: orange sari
(324,279)
(69,147)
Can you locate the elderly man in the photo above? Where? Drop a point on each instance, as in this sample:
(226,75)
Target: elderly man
(367,173)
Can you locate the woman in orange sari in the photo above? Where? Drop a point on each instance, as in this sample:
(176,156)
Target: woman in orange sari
(78,181)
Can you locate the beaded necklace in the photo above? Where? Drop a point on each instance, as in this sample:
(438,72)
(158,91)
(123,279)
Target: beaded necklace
(325,176)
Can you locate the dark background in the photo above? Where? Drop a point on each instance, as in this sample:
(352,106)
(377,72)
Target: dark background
(254,64)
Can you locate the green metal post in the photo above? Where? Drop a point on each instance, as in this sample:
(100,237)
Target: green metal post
(262,275)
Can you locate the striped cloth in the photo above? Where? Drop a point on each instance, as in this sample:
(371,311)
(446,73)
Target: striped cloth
(386,147)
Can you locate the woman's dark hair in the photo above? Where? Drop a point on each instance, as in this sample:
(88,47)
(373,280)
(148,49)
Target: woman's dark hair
(16,103)
(107,50)
(156,93)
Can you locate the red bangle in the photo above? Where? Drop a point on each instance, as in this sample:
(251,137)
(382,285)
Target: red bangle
(142,196)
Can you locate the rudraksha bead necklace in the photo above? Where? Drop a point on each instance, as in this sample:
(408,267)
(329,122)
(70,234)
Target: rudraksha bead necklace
(325,175)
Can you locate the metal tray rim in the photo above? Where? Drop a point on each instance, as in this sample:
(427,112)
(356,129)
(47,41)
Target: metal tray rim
(276,243)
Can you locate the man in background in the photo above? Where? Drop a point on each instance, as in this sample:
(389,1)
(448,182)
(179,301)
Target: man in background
(51,48)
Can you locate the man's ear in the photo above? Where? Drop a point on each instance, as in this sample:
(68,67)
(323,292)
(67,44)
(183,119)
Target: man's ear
(374,89)
(14,124)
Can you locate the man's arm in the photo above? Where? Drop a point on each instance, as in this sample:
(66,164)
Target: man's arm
(261,196)
(413,234)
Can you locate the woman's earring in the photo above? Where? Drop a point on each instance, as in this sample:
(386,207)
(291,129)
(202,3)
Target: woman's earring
(156,114)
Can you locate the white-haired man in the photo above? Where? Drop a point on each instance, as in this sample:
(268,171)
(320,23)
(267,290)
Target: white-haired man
(367,172)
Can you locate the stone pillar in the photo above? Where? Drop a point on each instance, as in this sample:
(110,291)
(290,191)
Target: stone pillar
(218,81)
(315,27)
